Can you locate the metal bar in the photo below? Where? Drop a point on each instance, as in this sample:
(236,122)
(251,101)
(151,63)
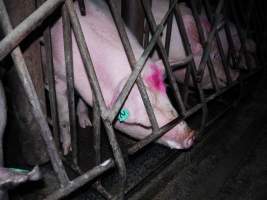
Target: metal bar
(162,51)
(119,160)
(219,43)
(213,76)
(81,180)
(99,100)
(70,82)
(207,47)
(169,30)
(51,85)
(131,58)
(27,26)
(27,84)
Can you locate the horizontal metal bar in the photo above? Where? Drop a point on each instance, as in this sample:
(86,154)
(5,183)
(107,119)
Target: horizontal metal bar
(81,180)
(27,26)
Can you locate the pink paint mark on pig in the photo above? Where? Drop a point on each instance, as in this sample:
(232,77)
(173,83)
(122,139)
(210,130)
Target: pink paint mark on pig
(155,79)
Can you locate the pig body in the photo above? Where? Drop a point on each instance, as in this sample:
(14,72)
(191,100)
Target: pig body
(112,69)
(177,52)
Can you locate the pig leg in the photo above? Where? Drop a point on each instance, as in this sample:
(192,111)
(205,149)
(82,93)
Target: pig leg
(83,115)
(63,113)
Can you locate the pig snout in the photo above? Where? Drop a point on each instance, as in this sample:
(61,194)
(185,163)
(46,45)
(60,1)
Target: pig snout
(180,139)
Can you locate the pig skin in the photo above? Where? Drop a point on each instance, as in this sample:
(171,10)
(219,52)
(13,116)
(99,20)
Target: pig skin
(112,70)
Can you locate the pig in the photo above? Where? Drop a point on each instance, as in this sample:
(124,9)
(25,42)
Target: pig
(112,69)
(177,51)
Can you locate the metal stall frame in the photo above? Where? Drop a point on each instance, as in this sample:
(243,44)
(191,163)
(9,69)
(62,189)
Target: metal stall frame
(10,45)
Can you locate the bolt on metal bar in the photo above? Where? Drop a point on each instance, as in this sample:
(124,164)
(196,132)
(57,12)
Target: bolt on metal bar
(208,45)
(162,51)
(218,42)
(81,180)
(132,60)
(21,31)
(213,76)
(70,83)
(27,84)
(99,100)
(191,69)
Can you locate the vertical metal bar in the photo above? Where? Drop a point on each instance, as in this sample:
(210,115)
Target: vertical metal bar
(163,53)
(169,30)
(51,82)
(219,42)
(51,85)
(27,84)
(131,58)
(192,66)
(70,82)
(213,76)
(98,95)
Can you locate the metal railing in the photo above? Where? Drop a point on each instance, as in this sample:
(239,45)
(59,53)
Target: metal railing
(10,45)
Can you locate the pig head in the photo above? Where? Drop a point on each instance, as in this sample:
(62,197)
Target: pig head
(112,69)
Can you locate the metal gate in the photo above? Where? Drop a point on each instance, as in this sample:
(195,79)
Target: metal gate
(10,45)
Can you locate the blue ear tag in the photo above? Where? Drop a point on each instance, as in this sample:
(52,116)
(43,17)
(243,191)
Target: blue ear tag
(123,115)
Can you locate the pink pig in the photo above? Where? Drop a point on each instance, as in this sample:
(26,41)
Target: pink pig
(177,51)
(112,70)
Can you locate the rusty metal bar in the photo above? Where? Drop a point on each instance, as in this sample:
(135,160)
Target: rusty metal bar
(219,42)
(213,76)
(162,51)
(132,60)
(27,84)
(27,26)
(81,180)
(70,82)
(211,36)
